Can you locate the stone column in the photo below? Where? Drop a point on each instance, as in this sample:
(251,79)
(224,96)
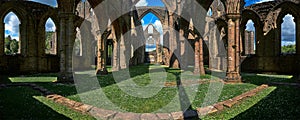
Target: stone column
(296,68)
(116,52)
(2,39)
(197,50)
(233,68)
(101,62)
(199,66)
(297,21)
(67,37)
(234,8)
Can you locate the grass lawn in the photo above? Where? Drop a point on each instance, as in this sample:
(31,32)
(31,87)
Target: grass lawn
(25,103)
(121,95)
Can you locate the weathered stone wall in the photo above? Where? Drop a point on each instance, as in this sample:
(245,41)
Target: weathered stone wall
(32,57)
(268,57)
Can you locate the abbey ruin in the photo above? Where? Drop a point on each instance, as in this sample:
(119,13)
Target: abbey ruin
(98,32)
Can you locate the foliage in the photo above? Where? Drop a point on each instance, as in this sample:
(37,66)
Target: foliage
(288,49)
(11,46)
(48,42)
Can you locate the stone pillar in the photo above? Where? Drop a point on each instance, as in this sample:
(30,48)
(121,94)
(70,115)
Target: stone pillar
(66,39)
(173,47)
(101,57)
(115,58)
(199,66)
(197,54)
(296,68)
(297,21)
(233,15)
(2,39)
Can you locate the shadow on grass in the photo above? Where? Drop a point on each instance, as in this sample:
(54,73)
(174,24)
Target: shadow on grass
(4,79)
(18,103)
(282,103)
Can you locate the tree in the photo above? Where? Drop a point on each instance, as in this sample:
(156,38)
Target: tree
(288,49)
(14,46)
(11,46)
(49,39)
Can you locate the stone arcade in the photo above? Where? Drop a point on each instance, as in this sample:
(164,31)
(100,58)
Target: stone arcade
(127,39)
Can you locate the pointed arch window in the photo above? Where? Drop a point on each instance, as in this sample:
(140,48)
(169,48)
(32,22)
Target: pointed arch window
(51,37)
(12,44)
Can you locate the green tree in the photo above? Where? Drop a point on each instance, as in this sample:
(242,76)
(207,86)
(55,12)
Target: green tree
(288,49)
(14,46)
(49,38)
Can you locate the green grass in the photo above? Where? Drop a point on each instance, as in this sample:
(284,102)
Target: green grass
(240,108)
(25,103)
(122,95)
(29,78)
(259,79)
(112,97)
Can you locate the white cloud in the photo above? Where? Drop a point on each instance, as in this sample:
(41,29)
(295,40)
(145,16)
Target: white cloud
(50,26)
(142,3)
(288,28)
(52,3)
(264,1)
(12,25)
(158,26)
(250,26)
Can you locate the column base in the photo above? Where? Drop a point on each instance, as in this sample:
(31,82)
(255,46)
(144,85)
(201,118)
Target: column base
(65,78)
(296,78)
(233,77)
(102,71)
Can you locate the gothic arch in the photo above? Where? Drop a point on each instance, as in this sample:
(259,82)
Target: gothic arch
(159,16)
(25,19)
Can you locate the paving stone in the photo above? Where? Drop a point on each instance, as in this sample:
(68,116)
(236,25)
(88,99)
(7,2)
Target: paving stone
(31,84)
(3,86)
(204,110)
(101,113)
(164,116)
(85,108)
(219,106)
(127,116)
(149,116)
(54,97)
(177,115)
(68,102)
(229,103)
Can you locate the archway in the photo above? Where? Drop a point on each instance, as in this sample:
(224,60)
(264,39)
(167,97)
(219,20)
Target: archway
(288,35)
(249,40)
(12,34)
(51,37)
(153,33)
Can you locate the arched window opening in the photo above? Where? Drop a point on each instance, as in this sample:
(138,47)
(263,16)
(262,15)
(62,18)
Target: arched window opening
(250,38)
(78,44)
(209,12)
(12,42)
(153,33)
(51,37)
(288,35)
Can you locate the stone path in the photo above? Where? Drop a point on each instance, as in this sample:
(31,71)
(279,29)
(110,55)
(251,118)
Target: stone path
(286,84)
(115,115)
